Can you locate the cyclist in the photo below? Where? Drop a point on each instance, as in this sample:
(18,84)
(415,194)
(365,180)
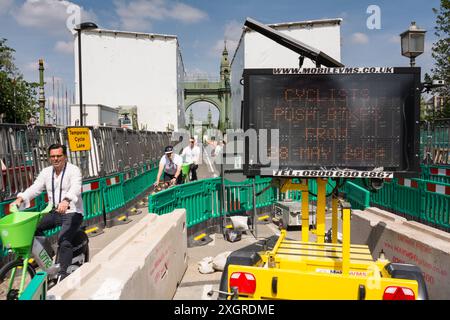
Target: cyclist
(170,164)
(191,153)
(62,181)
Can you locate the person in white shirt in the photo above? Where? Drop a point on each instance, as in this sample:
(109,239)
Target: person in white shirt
(219,148)
(191,154)
(170,164)
(62,181)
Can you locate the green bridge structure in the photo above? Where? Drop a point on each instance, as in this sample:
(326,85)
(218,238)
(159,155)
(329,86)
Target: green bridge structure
(217,93)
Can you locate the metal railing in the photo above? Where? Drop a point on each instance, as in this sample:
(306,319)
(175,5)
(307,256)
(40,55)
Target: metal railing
(23,153)
(435,141)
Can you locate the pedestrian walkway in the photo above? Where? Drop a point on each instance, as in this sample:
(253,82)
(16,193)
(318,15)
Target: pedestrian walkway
(97,243)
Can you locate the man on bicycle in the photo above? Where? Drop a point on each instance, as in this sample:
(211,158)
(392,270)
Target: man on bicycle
(191,153)
(62,181)
(170,164)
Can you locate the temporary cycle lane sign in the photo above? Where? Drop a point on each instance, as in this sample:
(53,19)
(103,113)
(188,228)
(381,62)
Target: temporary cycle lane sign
(79,139)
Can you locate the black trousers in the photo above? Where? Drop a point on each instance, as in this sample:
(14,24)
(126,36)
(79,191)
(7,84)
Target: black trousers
(168,177)
(69,223)
(193,169)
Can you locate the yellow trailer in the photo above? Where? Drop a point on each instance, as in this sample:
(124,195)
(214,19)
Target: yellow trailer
(318,270)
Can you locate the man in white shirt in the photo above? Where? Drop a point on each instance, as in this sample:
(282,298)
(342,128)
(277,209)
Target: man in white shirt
(170,164)
(62,181)
(191,154)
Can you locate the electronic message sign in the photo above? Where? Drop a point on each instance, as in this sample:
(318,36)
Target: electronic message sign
(355,122)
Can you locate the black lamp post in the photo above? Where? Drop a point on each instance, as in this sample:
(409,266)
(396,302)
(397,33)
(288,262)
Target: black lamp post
(79,28)
(413,43)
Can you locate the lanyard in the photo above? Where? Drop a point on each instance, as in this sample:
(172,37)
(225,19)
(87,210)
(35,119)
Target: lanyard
(60,184)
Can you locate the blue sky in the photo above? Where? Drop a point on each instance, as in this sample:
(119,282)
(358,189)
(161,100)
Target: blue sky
(38,28)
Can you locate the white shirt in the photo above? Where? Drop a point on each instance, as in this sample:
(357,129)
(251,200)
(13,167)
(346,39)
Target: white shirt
(191,155)
(217,150)
(170,167)
(71,187)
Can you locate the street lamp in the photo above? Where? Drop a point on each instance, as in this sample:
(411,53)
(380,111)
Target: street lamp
(413,43)
(79,28)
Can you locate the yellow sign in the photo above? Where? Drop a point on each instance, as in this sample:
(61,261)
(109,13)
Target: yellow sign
(79,139)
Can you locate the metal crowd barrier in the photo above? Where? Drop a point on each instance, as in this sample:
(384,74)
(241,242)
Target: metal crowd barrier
(435,141)
(23,153)
(120,166)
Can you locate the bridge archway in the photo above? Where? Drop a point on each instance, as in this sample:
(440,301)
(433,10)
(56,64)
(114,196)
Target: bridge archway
(190,102)
(215,93)
(202,115)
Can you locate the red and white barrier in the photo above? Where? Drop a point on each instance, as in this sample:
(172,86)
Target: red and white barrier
(432,187)
(127,176)
(112,181)
(90,186)
(408,183)
(440,171)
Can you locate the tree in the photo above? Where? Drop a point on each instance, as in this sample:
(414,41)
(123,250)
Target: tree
(17,96)
(441,54)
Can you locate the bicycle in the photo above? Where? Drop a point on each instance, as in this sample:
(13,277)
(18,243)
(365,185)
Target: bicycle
(162,185)
(17,234)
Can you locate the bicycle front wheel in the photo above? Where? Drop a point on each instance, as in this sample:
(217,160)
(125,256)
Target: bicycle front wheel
(8,290)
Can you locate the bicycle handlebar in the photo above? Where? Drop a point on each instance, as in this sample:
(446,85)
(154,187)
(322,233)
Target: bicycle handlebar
(15,208)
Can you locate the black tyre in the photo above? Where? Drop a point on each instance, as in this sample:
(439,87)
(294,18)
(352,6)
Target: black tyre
(5,276)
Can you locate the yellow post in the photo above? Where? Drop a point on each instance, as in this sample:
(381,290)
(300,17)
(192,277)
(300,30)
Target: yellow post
(346,211)
(321,203)
(305,211)
(334,221)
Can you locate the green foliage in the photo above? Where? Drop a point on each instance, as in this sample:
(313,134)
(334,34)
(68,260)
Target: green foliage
(17,96)
(441,54)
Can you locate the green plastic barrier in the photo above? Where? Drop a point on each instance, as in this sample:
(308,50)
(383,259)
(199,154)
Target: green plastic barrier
(128,185)
(201,199)
(358,197)
(196,197)
(163,202)
(437,207)
(384,197)
(93,200)
(408,200)
(140,184)
(113,193)
(419,204)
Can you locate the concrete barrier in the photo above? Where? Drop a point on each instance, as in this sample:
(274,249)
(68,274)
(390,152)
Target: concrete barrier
(147,261)
(406,241)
